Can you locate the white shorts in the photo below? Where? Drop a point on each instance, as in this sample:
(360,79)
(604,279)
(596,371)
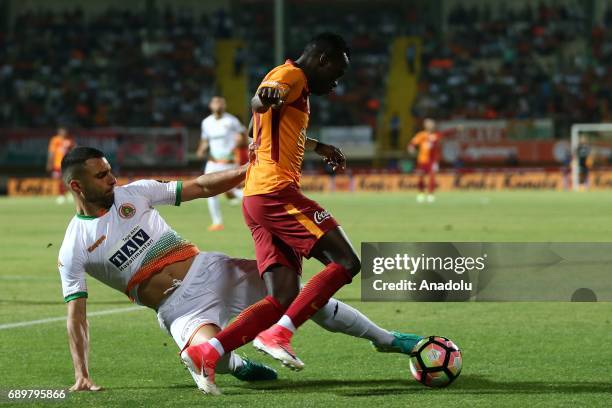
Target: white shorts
(215,289)
(212,166)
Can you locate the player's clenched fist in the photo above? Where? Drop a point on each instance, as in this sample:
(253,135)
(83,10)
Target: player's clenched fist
(84,384)
(270,96)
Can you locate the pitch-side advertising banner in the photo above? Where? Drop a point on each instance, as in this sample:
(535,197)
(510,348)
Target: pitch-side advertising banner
(132,147)
(476,181)
(502,141)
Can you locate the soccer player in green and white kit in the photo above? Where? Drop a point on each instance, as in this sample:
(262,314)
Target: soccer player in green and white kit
(119,238)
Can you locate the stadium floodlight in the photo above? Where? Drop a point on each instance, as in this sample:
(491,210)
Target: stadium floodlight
(577,129)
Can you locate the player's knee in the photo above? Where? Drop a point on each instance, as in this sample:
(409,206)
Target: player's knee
(351,264)
(286,297)
(283,284)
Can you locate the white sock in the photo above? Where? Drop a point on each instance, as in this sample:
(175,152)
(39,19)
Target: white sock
(217,345)
(229,363)
(339,317)
(214,207)
(286,322)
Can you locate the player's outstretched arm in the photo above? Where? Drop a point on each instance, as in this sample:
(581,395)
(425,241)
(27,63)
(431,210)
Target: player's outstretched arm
(212,184)
(78,339)
(265,98)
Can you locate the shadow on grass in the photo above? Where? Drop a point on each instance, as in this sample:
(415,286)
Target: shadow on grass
(466,384)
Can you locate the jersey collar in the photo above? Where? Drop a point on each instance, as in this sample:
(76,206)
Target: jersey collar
(102,212)
(86,217)
(292,63)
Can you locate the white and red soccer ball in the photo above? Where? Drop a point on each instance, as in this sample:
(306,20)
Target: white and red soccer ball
(435,361)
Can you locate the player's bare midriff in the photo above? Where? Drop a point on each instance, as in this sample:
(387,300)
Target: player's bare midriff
(153,290)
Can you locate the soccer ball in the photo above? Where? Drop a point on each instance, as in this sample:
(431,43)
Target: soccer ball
(435,361)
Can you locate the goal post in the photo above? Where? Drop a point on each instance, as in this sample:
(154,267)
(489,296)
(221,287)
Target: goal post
(604,129)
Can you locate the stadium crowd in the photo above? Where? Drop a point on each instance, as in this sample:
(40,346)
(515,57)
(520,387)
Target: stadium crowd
(134,69)
(358,98)
(125,68)
(530,63)
(118,68)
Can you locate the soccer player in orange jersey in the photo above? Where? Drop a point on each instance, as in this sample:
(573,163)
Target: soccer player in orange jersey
(427,141)
(59,146)
(285,225)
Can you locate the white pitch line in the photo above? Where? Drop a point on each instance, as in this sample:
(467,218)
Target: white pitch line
(57,319)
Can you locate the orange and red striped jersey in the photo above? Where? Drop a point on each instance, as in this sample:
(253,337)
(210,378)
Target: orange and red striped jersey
(427,143)
(280,133)
(59,146)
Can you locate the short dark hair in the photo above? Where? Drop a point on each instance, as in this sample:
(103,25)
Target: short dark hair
(328,42)
(73,162)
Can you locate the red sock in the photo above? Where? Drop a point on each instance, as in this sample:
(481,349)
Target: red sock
(432,182)
(421,183)
(317,292)
(253,320)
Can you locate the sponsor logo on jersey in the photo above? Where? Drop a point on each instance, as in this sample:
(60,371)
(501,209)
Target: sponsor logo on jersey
(96,244)
(130,248)
(320,216)
(127,210)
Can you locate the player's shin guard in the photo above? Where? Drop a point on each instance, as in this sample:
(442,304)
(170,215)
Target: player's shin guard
(250,322)
(315,294)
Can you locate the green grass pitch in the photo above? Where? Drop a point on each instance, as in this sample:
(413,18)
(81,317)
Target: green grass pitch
(515,354)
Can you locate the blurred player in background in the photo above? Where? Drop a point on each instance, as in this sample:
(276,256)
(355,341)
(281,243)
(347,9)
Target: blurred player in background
(585,159)
(119,238)
(285,225)
(427,142)
(222,145)
(59,146)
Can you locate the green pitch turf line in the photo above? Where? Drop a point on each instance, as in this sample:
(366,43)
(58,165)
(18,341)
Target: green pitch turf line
(63,318)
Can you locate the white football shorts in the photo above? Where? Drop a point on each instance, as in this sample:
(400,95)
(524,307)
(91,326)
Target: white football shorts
(215,289)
